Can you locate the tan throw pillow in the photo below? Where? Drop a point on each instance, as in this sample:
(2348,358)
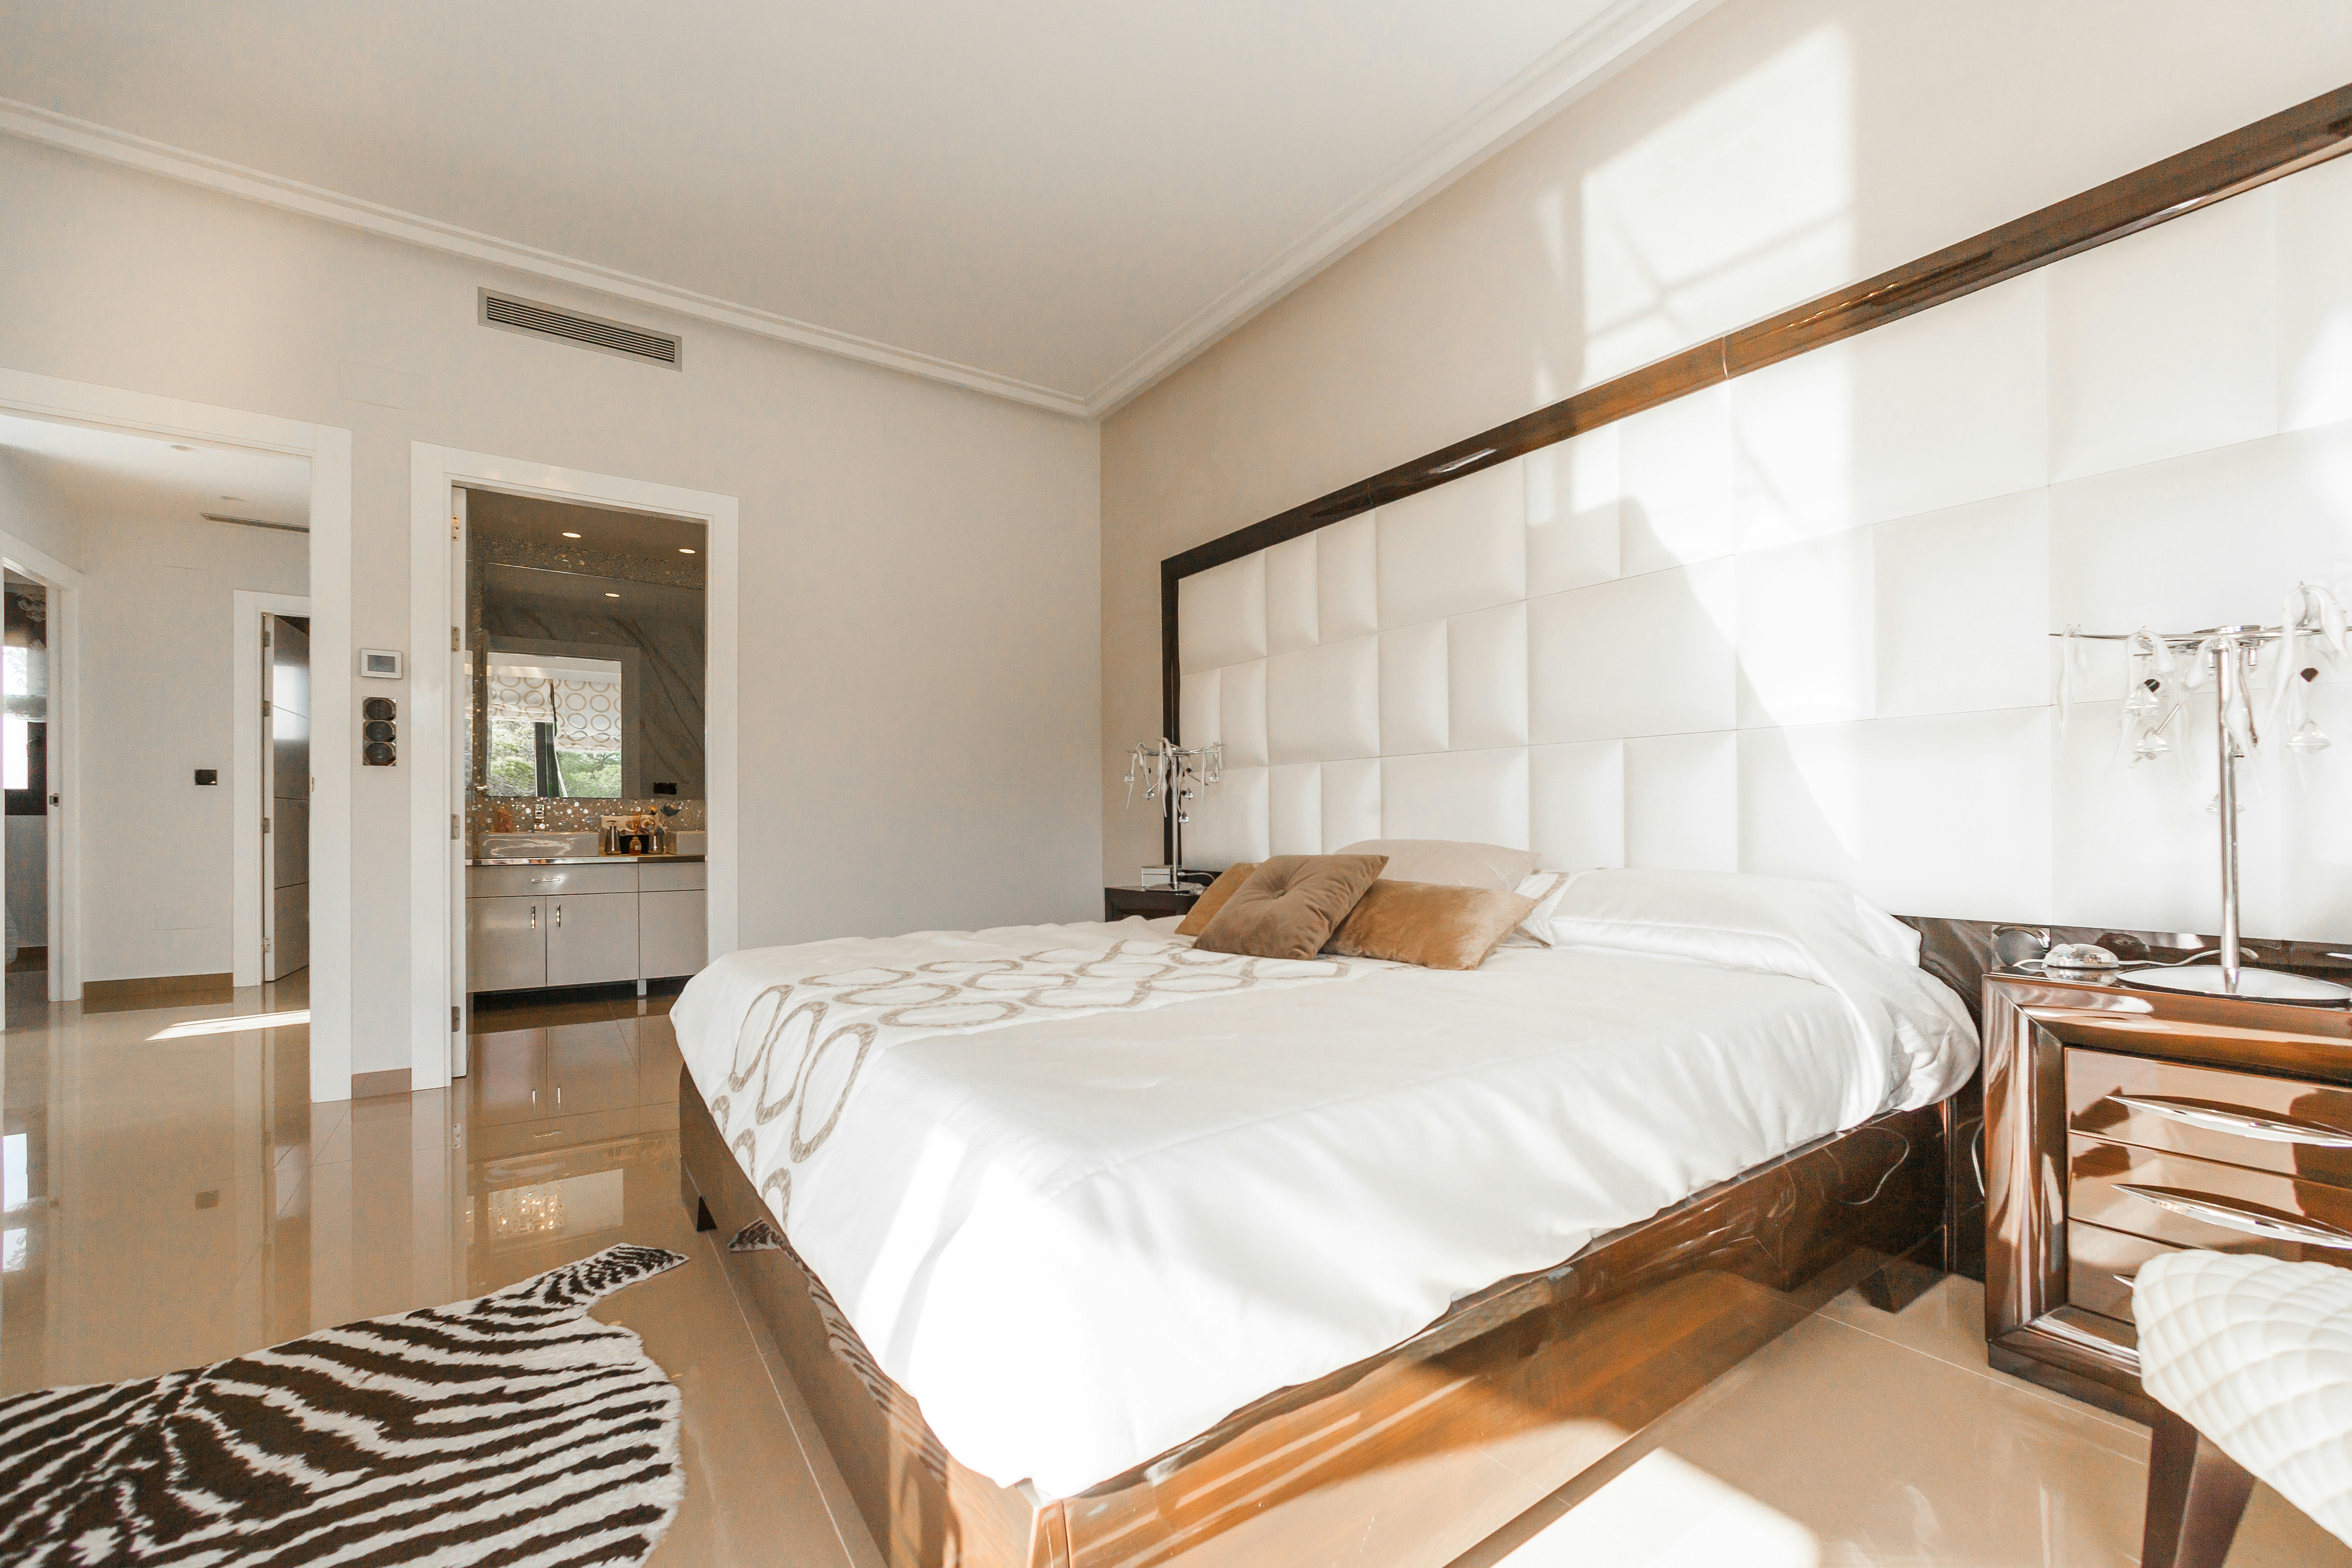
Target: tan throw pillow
(1435,927)
(1450,862)
(1212,898)
(1290,906)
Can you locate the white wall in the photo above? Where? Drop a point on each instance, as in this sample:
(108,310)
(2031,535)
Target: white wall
(33,512)
(1772,150)
(919,666)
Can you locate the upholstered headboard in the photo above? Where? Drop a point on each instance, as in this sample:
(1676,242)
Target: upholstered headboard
(1796,620)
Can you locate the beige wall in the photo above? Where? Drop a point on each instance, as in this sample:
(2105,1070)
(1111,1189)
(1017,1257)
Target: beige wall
(1771,150)
(919,648)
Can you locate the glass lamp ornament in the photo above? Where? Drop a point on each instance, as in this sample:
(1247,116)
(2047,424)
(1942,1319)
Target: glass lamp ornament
(2166,669)
(1174,775)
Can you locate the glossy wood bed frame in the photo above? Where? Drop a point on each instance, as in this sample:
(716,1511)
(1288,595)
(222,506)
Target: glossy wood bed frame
(1411,1457)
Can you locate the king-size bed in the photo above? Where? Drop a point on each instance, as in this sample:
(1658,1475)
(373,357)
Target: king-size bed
(1102,1249)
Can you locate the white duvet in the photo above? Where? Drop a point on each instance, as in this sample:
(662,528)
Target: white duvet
(1078,1240)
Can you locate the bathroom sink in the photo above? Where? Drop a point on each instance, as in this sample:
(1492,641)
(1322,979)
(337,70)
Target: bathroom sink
(536,845)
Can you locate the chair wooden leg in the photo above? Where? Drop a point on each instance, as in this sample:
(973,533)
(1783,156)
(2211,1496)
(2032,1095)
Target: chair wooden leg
(2196,1495)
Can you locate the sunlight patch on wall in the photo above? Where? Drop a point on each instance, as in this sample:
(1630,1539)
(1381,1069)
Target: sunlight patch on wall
(1740,207)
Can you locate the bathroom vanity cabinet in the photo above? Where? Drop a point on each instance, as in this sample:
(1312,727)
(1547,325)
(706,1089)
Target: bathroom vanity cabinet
(528,927)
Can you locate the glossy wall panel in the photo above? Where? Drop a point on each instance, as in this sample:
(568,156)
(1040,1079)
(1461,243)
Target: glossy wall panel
(1800,621)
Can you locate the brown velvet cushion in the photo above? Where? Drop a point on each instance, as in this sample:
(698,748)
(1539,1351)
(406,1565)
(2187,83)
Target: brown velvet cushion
(1290,905)
(1435,927)
(1212,898)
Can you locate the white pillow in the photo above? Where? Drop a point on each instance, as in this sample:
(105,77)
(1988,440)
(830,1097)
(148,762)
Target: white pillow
(1547,888)
(1736,919)
(1450,863)
(1779,925)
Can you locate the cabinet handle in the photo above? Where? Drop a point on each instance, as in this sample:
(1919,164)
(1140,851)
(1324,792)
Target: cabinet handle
(534,917)
(2246,1219)
(559,916)
(2244,1123)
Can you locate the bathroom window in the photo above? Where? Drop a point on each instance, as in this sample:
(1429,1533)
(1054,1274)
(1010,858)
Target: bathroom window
(555,727)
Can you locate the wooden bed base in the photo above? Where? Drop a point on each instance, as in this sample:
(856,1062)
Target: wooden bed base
(1411,1457)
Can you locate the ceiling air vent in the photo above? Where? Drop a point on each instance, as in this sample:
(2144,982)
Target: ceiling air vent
(518,315)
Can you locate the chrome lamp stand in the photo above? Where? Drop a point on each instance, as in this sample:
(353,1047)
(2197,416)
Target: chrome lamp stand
(2227,653)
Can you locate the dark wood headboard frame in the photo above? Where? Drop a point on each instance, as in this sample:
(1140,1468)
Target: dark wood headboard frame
(2267,150)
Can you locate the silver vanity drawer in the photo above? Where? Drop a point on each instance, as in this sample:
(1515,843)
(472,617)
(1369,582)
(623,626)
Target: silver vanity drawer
(535,882)
(672,876)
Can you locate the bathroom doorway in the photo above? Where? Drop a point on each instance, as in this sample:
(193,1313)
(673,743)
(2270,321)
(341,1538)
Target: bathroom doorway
(459,504)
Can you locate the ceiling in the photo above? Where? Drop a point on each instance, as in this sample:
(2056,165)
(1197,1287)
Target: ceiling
(1055,201)
(531,520)
(578,592)
(160,479)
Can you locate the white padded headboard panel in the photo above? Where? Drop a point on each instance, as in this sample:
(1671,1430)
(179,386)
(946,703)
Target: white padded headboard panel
(1798,624)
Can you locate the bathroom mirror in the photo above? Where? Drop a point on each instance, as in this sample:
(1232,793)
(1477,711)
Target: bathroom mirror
(585,657)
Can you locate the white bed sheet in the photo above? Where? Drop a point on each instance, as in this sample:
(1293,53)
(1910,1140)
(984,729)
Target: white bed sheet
(1079,1242)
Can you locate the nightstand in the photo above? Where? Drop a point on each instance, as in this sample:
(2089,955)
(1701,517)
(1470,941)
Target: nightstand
(1149,902)
(2123,1124)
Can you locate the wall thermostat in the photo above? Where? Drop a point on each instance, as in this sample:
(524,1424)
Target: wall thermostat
(381,663)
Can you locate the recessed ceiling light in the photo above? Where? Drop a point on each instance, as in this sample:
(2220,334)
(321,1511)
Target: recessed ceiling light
(685,550)
(177,447)
(611,595)
(569,534)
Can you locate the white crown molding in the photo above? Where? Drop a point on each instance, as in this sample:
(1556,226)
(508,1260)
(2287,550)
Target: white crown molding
(1576,65)
(82,136)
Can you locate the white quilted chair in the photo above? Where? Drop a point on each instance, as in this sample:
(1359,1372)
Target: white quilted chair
(2252,1360)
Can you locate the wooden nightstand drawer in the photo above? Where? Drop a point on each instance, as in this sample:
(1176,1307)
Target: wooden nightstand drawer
(2100,1264)
(2278,1124)
(1151,903)
(2187,1202)
(2119,1123)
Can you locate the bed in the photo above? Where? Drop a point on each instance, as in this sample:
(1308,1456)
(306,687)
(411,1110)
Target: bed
(1098,1249)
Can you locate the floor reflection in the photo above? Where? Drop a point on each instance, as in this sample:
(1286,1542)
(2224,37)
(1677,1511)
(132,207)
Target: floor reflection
(173,1197)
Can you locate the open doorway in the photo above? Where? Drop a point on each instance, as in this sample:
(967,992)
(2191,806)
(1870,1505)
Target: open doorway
(142,558)
(24,763)
(581,755)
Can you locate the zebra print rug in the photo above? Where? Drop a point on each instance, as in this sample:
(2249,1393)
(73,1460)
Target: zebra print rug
(512,1430)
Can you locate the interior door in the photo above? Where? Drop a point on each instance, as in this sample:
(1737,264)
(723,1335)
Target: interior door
(286,806)
(461,780)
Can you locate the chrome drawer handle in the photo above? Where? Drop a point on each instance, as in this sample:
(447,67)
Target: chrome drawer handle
(2248,1219)
(2244,1123)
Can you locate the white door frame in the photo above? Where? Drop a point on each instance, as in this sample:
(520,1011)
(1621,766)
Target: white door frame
(428,729)
(244,773)
(329,450)
(62,875)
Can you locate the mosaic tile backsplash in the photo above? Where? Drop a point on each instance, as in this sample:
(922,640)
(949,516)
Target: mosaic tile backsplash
(490,814)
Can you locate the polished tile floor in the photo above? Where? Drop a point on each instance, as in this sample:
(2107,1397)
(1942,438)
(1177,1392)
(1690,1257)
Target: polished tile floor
(173,1197)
